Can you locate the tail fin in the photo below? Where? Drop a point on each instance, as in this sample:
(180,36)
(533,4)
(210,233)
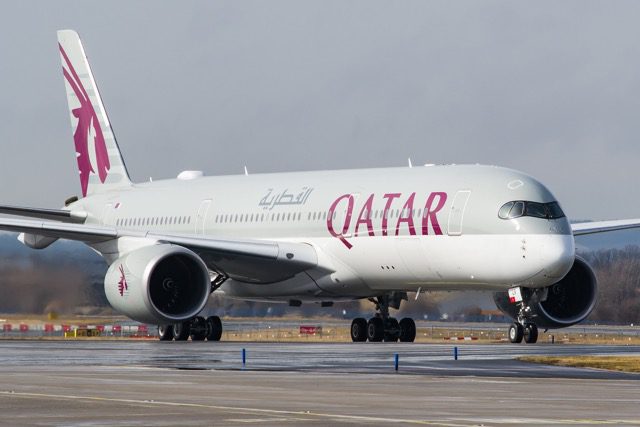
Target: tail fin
(99,160)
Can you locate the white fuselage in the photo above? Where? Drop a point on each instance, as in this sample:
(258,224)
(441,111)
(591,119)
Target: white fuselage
(375,230)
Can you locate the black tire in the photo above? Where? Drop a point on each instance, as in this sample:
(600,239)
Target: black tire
(530,333)
(214,328)
(375,329)
(391,330)
(198,330)
(181,331)
(516,333)
(359,330)
(407,330)
(165,332)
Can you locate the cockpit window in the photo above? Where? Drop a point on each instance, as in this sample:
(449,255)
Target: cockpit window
(554,210)
(536,210)
(504,210)
(517,209)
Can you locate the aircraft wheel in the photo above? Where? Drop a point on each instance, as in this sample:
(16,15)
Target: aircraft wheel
(198,330)
(359,330)
(165,332)
(530,333)
(391,330)
(375,329)
(407,330)
(516,333)
(181,331)
(214,328)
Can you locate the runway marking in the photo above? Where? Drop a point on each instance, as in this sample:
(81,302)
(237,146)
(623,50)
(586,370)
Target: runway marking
(311,414)
(232,408)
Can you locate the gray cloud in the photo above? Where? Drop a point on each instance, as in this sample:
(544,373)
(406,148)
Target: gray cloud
(549,88)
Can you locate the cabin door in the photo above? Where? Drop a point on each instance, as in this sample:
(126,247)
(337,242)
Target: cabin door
(201,216)
(456,214)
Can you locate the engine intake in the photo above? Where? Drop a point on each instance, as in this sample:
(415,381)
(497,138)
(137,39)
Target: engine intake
(158,284)
(562,304)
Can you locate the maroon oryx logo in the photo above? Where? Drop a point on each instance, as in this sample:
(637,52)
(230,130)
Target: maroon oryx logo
(87,119)
(122,283)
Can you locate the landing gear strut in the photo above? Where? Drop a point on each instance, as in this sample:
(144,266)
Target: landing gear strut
(523,327)
(198,329)
(383,327)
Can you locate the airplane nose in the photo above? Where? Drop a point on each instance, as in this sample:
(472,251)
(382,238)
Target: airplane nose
(557,255)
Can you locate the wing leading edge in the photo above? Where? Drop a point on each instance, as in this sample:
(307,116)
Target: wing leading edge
(584,228)
(254,261)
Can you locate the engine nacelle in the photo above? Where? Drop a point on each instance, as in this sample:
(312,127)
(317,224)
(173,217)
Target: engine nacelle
(158,284)
(562,304)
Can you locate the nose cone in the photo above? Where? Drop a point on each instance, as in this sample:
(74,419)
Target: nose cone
(557,254)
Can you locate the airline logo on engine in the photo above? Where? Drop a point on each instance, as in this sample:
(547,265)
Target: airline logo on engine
(122,283)
(407,216)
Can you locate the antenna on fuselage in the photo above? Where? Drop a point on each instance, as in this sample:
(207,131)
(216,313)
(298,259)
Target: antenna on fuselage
(246,172)
(410,164)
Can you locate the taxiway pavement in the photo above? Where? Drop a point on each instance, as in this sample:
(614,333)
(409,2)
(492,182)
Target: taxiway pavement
(83,383)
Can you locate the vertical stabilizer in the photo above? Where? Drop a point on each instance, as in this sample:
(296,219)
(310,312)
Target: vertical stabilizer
(100,163)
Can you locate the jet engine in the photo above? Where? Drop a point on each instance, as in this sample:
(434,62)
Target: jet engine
(562,304)
(158,284)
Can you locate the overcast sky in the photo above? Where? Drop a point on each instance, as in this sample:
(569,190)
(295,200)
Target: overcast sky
(549,88)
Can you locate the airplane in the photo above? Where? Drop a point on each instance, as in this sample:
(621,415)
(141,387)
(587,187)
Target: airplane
(311,237)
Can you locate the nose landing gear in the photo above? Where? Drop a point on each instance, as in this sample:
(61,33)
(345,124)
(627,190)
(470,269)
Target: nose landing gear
(523,327)
(383,327)
(518,333)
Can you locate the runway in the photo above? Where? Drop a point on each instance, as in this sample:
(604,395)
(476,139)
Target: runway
(198,383)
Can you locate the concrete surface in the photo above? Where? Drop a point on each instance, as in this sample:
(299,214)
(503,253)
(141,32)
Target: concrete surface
(93,383)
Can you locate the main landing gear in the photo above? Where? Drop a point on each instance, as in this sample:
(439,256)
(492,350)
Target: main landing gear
(198,329)
(382,327)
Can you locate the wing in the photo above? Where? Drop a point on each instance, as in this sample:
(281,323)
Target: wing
(583,228)
(51,214)
(255,261)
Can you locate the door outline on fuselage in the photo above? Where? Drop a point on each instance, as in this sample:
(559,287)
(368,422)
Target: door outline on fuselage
(108,214)
(201,216)
(456,213)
